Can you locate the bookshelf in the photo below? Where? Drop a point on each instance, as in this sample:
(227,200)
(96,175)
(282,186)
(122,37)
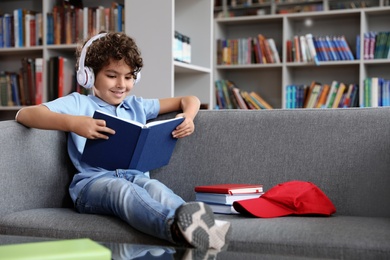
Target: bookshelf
(270,80)
(156,23)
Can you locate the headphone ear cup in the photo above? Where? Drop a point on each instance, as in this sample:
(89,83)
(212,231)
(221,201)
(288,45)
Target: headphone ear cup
(86,77)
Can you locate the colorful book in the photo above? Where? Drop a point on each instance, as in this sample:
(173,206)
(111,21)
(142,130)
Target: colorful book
(38,80)
(314,95)
(332,94)
(263,104)
(133,146)
(322,98)
(230,188)
(339,94)
(228,199)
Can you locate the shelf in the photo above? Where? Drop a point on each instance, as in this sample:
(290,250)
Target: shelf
(270,80)
(181,67)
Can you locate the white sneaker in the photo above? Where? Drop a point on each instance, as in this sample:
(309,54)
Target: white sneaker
(198,226)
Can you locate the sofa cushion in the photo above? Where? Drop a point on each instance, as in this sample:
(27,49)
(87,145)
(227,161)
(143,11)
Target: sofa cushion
(326,237)
(66,223)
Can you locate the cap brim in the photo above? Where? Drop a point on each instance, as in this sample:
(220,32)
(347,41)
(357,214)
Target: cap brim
(261,207)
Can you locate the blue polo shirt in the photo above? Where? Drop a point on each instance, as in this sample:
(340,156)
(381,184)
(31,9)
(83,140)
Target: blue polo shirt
(134,108)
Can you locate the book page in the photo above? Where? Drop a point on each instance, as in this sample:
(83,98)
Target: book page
(158,122)
(123,119)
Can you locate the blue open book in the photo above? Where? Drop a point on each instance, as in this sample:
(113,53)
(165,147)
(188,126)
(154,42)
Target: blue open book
(133,146)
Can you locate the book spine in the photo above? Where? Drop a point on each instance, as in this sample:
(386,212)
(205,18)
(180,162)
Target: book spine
(139,147)
(38,80)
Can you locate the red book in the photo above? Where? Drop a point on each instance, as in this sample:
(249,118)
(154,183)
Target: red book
(229,188)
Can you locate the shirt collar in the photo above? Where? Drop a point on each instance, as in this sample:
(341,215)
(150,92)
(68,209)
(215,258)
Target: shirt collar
(102,103)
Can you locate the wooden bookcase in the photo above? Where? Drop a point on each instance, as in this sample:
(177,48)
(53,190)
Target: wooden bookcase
(152,24)
(270,80)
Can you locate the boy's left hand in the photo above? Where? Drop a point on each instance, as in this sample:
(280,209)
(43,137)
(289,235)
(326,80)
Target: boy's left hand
(186,128)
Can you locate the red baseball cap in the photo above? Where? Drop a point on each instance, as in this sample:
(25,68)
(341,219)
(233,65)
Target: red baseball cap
(289,198)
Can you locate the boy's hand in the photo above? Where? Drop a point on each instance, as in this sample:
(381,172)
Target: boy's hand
(184,129)
(90,128)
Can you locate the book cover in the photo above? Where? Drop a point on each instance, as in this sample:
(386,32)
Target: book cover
(296,41)
(230,188)
(323,96)
(332,94)
(339,94)
(133,146)
(308,94)
(228,199)
(312,48)
(274,50)
(316,91)
(82,248)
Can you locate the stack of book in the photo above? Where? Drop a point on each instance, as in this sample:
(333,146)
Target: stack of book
(220,197)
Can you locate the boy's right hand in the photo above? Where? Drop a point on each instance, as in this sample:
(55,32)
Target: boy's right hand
(41,117)
(90,128)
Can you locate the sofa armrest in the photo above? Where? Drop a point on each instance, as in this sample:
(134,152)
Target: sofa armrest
(35,169)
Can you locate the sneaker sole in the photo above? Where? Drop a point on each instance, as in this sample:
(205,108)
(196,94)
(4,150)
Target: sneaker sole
(197,224)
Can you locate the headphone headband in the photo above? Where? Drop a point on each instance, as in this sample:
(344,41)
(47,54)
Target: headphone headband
(85,75)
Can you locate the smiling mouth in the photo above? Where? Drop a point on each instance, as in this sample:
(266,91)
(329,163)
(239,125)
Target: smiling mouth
(118,92)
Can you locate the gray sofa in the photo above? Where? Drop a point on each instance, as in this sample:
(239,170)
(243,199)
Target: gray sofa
(345,152)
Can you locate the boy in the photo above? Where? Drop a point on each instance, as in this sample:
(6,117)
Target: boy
(113,63)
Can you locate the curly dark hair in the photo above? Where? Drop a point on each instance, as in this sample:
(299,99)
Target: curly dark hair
(113,46)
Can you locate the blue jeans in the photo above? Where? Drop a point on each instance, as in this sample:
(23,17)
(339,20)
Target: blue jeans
(145,204)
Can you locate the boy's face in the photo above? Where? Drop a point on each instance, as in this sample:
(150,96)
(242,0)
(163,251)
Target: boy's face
(114,82)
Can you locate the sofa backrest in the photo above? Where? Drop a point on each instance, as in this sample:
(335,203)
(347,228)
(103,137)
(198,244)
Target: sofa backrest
(346,152)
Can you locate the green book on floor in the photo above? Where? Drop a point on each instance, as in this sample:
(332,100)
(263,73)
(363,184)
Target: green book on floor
(84,248)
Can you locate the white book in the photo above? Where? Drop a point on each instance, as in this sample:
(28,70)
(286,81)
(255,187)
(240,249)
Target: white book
(312,48)
(304,47)
(274,50)
(375,92)
(227,199)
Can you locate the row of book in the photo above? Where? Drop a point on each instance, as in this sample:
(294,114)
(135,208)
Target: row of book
(317,95)
(376,45)
(249,50)
(374,92)
(220,197)
(229,96)
(24,87)
(309,48)
(66,24)
(300,8)
(21,28)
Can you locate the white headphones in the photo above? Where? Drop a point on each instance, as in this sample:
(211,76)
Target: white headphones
(85,75)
